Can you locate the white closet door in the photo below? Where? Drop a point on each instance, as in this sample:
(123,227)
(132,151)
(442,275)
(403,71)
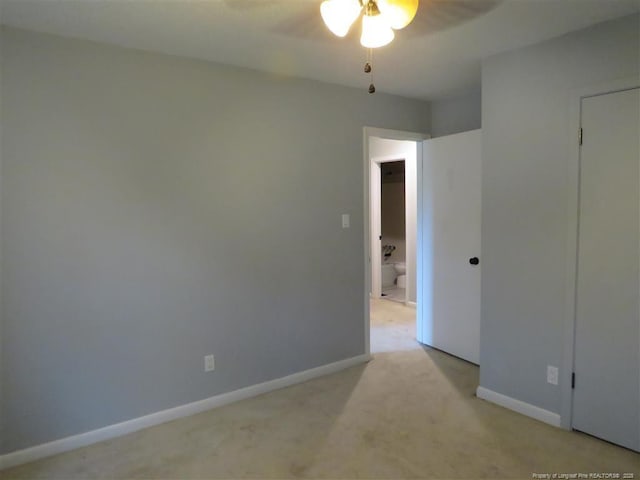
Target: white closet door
(606,399)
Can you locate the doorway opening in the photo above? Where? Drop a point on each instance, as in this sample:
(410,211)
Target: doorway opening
(393,216)
(391,160)
(393,231)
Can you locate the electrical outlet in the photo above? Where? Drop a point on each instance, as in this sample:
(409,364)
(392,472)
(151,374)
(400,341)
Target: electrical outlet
(209,363)
(552,375)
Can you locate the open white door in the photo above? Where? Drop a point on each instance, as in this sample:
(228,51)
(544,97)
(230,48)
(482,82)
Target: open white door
(449,227)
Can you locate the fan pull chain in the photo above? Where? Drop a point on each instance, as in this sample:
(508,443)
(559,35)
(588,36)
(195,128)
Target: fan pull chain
(368,68)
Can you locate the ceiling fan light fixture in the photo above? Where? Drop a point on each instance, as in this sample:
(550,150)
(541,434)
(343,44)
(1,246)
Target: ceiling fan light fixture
(376,31)
(399,13)
(339,15)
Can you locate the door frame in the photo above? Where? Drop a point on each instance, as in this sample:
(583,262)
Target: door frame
(573,191)
(389,134)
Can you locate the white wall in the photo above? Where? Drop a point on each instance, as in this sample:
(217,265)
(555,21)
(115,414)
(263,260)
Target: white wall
(456,114)
(407,150)
(526,137)
(411,216)
(156,209)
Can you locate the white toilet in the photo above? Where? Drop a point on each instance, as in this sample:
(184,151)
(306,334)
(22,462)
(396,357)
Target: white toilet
(388,275)
(401,270)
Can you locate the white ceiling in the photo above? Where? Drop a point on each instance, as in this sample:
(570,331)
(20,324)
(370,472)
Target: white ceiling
(437,56)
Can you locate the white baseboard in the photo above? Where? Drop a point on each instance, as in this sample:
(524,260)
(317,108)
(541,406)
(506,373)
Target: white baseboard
(519,406)
(412,304)
(94,436)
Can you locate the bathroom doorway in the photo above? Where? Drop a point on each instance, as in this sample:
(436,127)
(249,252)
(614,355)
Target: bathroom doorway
(393,231)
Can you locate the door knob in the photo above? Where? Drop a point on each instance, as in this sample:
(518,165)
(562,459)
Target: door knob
(474,261)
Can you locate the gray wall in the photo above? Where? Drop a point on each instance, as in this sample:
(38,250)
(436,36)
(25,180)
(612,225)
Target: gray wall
(2,433)
(156,209)
(525,125)
(457,114)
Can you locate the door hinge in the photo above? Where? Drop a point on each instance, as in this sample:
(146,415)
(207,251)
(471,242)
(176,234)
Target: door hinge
(580,137)
(573,379)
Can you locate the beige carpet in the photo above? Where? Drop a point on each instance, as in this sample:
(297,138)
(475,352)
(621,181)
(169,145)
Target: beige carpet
(409,413)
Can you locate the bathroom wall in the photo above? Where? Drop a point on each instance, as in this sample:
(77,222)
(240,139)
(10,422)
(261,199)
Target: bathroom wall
(393,210)
(156,209)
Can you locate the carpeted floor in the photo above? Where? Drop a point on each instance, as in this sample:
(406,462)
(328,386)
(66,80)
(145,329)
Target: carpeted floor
(409,413)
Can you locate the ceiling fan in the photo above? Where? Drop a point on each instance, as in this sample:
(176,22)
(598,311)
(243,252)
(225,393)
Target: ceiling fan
(302,18)
(314,19)
(379,18)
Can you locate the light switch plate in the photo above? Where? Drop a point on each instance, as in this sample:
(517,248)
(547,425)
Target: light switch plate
(209,363)
(346,220)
